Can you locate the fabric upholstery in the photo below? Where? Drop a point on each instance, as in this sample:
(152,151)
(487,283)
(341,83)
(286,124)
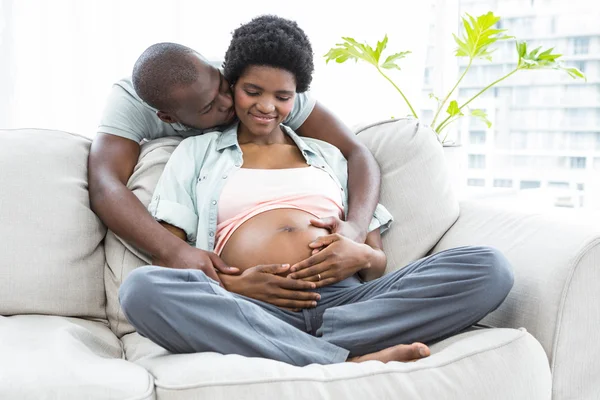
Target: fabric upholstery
(485,364)
(122,258)
(557,274)
(415,187)
(51,252)
(48,357)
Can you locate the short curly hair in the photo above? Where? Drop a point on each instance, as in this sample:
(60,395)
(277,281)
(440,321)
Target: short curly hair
(270,41)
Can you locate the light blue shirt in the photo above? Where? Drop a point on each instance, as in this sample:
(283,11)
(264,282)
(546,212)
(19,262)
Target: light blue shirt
(187,194)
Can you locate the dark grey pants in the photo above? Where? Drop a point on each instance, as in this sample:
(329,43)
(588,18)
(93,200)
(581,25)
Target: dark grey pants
(432,298)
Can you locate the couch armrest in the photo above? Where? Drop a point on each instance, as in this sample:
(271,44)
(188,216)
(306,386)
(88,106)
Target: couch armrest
(556,260)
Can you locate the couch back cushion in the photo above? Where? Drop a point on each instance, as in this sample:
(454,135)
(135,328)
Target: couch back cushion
(51,250)
(415,187)
(121,257)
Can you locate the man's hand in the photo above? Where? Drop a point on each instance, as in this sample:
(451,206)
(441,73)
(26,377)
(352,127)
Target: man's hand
(345,228)
(263,283)
(337,259)
(188,257)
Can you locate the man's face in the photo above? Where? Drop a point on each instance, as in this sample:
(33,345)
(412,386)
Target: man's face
(206,103)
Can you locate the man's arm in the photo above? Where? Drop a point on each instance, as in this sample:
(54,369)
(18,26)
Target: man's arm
(110,164)
(364,178)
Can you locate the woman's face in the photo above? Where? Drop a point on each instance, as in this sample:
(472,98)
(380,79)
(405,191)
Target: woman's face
(263,98)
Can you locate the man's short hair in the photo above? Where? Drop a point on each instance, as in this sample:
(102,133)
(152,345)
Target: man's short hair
(161,68)
(270,41)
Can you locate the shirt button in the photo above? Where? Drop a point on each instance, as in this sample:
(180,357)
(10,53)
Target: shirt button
(211,234)
(224,176)
(342,189)
(214,202)
(237,165)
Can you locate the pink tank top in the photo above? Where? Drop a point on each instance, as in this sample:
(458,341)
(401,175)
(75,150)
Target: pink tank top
(250,192)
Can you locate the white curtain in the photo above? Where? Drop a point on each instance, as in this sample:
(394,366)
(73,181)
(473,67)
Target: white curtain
(58,59)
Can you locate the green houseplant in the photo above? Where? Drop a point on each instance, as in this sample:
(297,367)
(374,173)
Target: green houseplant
(476,41)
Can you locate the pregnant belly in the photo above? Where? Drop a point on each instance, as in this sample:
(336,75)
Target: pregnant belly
(278,236)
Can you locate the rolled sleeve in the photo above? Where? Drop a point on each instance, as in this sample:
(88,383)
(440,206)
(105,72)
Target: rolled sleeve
(382,219)
(175,214)
(174,199)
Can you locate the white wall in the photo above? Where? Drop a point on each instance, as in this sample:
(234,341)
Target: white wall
(60,57)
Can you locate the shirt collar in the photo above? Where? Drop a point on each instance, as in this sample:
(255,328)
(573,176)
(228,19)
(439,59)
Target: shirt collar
(228,138)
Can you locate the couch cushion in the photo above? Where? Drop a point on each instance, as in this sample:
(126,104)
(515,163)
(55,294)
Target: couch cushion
(483,364)
(122,258)
(45,357)
(556,261)
(415,187)
(51,252)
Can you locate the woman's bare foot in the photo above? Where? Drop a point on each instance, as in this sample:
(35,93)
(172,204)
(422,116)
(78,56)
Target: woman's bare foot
(401,352)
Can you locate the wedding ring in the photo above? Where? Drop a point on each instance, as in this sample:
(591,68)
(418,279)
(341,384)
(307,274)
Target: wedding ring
(319,275)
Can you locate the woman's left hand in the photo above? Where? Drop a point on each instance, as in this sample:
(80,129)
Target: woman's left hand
(337,259)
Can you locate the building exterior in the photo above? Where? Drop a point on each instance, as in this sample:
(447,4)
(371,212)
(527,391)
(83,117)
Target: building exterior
(545,133)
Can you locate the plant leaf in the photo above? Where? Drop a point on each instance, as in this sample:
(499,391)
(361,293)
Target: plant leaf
(482,115)
(478,36)
(350,49)
(575,73)
(453,109)
(390,61)
(381,46)
(544,60)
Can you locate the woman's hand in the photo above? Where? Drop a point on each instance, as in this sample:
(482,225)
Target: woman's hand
(345,228)
(337,259)
(263,283)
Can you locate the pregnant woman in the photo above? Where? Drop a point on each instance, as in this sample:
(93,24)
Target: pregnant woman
(249,193)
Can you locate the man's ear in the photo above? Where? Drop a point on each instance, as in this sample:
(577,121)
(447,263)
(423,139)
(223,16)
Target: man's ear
(166,117)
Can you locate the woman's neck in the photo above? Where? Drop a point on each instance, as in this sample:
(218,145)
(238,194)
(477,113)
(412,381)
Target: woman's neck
(277,136)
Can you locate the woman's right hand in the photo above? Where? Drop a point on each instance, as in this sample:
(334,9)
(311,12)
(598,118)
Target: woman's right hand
(263,283)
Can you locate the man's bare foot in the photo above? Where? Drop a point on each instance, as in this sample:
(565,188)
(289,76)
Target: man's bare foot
(401,352)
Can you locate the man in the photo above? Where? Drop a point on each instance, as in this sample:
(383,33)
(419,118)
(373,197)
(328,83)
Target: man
(174,91)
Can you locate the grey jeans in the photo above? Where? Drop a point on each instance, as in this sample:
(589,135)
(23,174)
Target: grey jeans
(432,298)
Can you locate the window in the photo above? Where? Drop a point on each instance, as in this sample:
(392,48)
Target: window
(427,77)
(476,161)
(475,182)
(518,140)
(558,185)
(581,45)
(477,137)
(578,140)
(505,183)
(530,184)
(580,65)
(577,162)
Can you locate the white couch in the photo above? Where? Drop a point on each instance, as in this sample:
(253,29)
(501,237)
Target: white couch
(63,335)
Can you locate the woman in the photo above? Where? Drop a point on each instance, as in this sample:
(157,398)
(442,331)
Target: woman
(250,193)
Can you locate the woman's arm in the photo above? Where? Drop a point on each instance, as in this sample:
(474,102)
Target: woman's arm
(338,258)
(363,171)
(377,259)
